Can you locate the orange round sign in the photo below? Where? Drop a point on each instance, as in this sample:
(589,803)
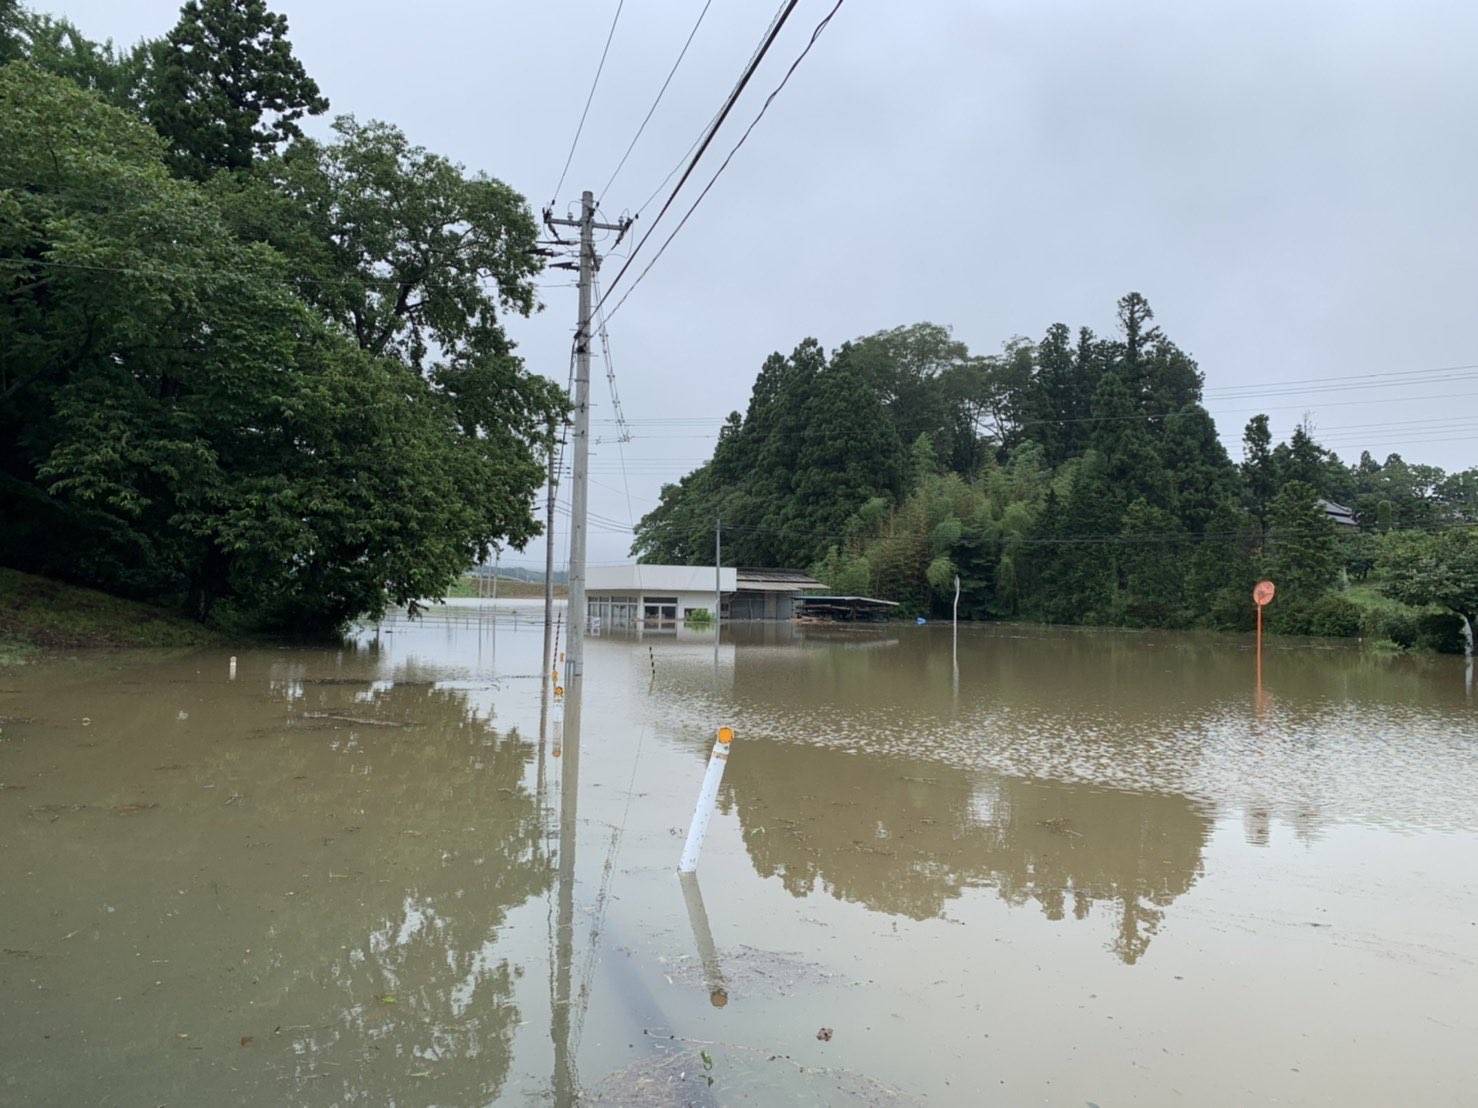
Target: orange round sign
(1263,593)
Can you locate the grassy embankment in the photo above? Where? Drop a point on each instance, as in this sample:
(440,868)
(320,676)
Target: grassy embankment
(509,588)
(40,614)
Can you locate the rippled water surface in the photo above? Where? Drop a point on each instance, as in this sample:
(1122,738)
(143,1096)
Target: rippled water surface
(1039,867)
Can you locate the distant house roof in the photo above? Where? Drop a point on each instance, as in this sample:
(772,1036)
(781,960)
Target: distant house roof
(776,580)
(1339,514)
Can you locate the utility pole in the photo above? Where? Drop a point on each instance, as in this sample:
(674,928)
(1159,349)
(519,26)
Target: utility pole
(718,576)
(579,491)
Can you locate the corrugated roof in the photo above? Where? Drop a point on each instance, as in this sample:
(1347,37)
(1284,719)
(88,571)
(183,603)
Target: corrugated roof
(776,579)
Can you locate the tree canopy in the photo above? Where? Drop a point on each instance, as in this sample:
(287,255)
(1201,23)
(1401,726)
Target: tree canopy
(1075,479)
(224,87)
(266,396)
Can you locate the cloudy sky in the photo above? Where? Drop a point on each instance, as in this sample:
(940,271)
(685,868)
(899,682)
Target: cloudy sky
(1291,184)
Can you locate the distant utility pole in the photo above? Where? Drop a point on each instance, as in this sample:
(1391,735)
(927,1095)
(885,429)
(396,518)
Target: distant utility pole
(718,576)
(575,650)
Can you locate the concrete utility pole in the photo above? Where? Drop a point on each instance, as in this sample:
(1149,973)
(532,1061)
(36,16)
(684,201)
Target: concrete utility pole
(718,576)
(579,491)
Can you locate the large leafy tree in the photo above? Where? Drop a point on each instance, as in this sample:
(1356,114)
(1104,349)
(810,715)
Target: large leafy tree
(224,86)
(402,249)
(1438,568)
(59,47)
(171,402)
(11,44)
(411,257)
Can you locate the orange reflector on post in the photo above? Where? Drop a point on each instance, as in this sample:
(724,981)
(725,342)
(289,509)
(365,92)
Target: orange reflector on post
(725,734)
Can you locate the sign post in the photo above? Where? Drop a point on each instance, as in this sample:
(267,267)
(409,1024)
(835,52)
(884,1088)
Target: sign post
(1262,595)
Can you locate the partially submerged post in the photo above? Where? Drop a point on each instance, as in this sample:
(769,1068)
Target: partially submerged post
(707,795)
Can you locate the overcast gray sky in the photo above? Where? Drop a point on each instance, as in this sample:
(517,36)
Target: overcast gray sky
(1291,184)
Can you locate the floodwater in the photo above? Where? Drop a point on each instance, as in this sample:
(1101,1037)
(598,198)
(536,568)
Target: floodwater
(1043,867)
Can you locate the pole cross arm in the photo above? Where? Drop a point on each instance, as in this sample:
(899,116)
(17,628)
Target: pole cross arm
(622,226)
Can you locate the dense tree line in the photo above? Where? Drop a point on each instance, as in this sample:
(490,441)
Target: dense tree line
(1077,479)
(241,369)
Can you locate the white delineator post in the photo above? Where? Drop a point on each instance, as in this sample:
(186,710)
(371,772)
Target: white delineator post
(707,796)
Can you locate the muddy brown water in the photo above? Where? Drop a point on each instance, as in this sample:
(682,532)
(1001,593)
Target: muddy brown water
(1046,867)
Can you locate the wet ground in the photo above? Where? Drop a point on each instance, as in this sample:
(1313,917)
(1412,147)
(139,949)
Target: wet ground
(1044,868)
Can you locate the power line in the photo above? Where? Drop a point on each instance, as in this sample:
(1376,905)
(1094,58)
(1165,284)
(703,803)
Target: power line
(1406,373)
(588,99)
(660,92)
(671,173)
(815,34)
(707,140)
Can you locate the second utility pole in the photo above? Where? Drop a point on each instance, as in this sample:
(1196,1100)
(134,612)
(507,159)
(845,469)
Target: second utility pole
(579,491)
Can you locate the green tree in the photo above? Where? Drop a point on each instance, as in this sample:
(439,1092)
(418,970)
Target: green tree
(57,46)
(1073,575)
(1302,553)
(1151,557)
(1259,473)
(170,401)
(1439,568)
(12,45)
(224,86)
(401,248)
(1303,459)
(1133,468)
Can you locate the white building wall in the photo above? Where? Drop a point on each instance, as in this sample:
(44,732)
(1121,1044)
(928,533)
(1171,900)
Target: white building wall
(600,602)
(664,580)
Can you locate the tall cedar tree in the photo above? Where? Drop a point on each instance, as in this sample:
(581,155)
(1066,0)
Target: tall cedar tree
(224,87)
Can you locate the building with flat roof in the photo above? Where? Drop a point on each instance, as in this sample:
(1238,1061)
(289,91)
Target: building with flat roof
(628,596)
(653,595)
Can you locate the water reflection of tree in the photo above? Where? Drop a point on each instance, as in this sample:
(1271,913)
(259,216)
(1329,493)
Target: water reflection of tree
(398,959)
(905,838)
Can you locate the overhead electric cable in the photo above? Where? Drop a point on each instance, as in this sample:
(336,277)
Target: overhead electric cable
(671,173)
(588,99)
(713,128)
(815,34)
(660,93)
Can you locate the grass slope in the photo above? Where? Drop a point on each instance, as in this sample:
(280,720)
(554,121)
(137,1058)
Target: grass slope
(40,614)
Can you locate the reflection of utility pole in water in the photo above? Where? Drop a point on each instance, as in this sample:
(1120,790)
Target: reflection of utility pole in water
(713,973)
(549,556)
(543,744)
(566,1081)
(955,642)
